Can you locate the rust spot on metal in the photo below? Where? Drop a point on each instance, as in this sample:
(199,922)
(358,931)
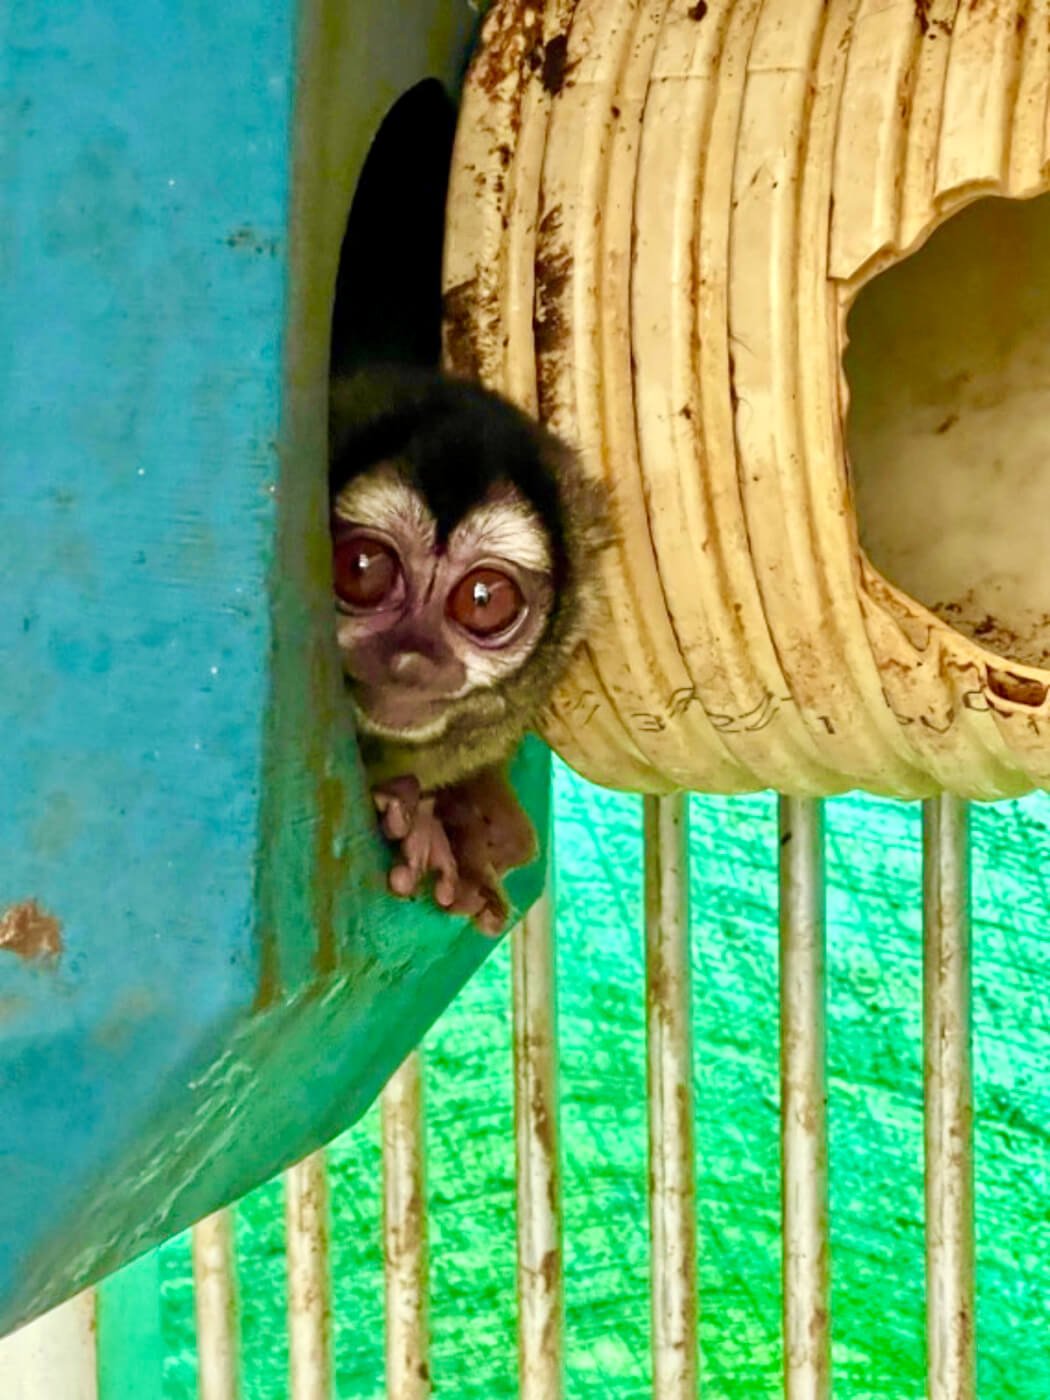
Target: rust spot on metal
(268,987)
(965,1331)
(330,805)
(657,978)
(541,1121)
(1021,690)
(30,932)
(329,867)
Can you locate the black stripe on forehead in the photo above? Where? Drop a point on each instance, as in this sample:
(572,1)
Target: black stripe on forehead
(469,448)
(455,442)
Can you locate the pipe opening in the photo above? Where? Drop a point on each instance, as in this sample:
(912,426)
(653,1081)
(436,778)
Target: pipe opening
(949,425)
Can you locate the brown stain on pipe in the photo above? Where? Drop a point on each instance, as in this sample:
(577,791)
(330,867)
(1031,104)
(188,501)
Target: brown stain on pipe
(30,932)
(556,65)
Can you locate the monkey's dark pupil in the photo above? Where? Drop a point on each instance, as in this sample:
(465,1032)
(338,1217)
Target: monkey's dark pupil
(365,572)
(486,602)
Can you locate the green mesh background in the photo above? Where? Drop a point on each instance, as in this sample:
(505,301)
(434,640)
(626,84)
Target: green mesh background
(875,1128)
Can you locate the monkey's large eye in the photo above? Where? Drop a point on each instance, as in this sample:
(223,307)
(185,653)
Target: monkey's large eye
(366,571)
(485,602)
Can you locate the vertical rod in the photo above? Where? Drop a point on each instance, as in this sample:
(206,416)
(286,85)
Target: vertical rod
(947,1073)
(215,1301)
(54,1356)
(803,1103)
(405,1234)
(540,1299)
(669,1059)
(309,1293)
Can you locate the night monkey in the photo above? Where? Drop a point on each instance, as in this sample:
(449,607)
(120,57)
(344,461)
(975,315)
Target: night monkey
(464,543)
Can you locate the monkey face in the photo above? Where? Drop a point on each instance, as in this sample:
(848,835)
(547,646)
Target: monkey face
(425,621)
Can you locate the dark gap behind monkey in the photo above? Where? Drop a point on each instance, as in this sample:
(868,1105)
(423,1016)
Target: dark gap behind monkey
(464,541)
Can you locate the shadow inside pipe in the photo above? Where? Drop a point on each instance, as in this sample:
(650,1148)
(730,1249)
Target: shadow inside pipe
(949,424)
(388,288)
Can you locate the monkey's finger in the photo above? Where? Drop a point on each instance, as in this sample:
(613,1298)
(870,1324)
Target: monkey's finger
(404,881)
(481,899)
(405,877)
(445,867)
(418,846)
(397,802)
(445,891)
(497,906)
(490,920)
(394,821)
(467,898)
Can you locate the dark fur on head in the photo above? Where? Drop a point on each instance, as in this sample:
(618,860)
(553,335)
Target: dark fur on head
(454,441)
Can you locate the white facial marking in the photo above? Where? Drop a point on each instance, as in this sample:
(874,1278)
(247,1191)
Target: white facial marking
(419,734)
(382,498)
(507,528)
(484,668)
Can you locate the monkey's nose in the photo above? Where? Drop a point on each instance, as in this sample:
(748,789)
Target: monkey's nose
(411,667)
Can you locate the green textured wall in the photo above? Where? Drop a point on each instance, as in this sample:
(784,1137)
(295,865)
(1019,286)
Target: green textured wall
(875,1108)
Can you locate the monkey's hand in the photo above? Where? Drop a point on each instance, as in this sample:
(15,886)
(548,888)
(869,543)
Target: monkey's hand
(468,835)
(489,834)
(407,818)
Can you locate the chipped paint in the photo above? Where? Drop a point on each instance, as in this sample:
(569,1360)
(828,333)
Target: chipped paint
(30,932)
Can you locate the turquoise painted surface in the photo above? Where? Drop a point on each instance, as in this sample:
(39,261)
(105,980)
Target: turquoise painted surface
(875,1106)
(130,1338)
(178,782)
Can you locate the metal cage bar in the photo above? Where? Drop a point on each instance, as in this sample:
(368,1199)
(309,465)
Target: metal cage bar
(540,1301)
(669,1044)
(215,1305)
(58,1353)
(309,1291)
(803,1103)
(55,1356)
(405,1234)
(951,1356)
